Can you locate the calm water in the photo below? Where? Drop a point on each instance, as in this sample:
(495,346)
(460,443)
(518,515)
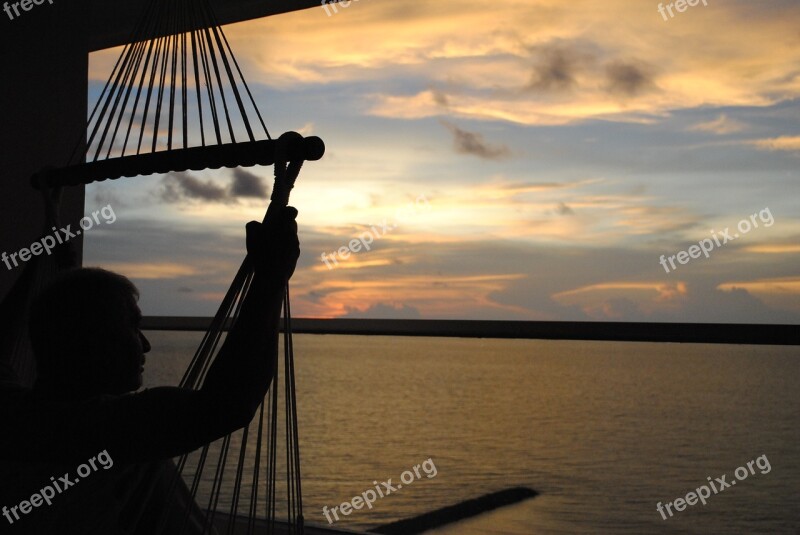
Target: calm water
(602,430)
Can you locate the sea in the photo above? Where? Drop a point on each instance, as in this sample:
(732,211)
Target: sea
(602,431)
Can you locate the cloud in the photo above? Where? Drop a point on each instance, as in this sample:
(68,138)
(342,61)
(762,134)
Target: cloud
(439,97)
(658,290)
(736,305)
(693,302)
(774,248)
(576,277)
(782,143)
(521,225)
(780,293)
(104,196)
(473,143)
(306,130)
(382,310)
(247,184)
(555,70)
(178,187)
(750,61)
(563,209)
(627,79)
(588,64)
(720,125)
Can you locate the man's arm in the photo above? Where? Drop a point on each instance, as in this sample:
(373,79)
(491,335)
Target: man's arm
(164,422)
(243,370)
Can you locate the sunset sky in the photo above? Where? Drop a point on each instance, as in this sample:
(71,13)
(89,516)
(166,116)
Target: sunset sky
(548,153)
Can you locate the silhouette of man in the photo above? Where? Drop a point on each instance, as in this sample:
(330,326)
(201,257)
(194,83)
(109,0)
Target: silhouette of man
(83,417)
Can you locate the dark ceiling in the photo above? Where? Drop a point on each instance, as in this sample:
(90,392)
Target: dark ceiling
(112,22)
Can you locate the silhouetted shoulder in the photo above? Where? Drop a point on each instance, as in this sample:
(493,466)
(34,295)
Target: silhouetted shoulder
(32,424)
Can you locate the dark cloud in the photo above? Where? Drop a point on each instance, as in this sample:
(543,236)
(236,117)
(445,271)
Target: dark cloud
(103,197)
(247,184)
(473,143)
(563,209)
(558,66)
(555,70)
(626,79)
(705,302)
(177,187)
(701,304)
(440,97)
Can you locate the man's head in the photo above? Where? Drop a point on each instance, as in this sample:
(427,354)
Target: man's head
(84,330)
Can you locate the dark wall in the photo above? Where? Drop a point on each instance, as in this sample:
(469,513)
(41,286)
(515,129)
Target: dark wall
(43,88)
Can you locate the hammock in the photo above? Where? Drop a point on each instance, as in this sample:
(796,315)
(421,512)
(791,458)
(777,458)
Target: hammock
(176,100)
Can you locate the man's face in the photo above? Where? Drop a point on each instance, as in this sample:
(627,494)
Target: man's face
(126,351)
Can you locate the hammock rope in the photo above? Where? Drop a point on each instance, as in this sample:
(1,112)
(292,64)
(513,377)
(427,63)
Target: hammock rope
(179,48)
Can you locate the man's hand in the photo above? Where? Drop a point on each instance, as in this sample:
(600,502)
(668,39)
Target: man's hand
(274,246)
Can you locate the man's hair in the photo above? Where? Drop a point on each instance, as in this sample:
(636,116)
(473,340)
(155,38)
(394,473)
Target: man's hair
(72,313)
